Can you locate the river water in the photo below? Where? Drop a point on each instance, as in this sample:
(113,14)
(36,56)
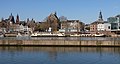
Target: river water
(59,55)
(59,38)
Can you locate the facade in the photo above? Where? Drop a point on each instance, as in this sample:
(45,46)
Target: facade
(30,23)
(71,26)
(53,22)
(21,28)
(115,22)
(18,28)
(94,25)
(104,27)
(10,26)
(11,18)
(62,18)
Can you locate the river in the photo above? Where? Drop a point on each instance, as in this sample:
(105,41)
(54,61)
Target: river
(59,55)
(59,38)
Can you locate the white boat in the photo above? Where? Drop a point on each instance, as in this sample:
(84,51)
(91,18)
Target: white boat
(45,34)
(99,35)
(1,35)
(18,35)
(60,34)
(22,35)
(75,35)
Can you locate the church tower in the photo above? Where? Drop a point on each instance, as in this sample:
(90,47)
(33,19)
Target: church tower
(100,16)
(17,19)
(11,18)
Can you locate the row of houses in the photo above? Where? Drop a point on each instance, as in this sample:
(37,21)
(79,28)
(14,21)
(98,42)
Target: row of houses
(54,24)
(11,26)
(112,25)
(62,24)
(15,28)
(51,24)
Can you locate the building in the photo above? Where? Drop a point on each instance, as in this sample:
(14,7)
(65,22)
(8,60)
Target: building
(30,23)
(62,18)
(71,26)
(3,26)
(10,26)
(53,22)
(17,19)
(105,26)
(94,25)
(11,18)
(115,23)
(23,29)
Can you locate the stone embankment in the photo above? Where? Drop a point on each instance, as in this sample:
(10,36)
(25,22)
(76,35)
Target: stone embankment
(60,43)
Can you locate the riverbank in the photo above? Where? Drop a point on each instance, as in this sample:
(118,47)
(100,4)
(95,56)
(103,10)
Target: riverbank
(62,43)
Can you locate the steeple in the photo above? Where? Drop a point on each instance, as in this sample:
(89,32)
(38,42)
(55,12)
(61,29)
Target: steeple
(11,14)
(28,20)
(100,16)
(2,19)
(55,13)
(17,19)
(11,18)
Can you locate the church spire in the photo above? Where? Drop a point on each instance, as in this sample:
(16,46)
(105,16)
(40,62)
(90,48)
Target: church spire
(100,16)
(55,13)
(11,14)
(17,19)
(11,18)
(2,19)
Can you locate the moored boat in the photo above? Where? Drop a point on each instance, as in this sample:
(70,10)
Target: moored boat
(46,35)
(10,35)
(99,35)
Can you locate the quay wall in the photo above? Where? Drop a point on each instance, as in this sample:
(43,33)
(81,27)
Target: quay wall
(59,43)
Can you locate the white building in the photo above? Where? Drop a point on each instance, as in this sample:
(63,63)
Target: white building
(71,26)
(104,27)
(19,28)
(115,23)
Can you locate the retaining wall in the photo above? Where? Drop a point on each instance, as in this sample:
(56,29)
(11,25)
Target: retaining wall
(59,43)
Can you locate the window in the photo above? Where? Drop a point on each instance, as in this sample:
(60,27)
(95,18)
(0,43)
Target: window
(108,27)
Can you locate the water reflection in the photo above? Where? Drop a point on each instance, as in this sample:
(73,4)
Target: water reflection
(59,38)
(59,55)
(60,49)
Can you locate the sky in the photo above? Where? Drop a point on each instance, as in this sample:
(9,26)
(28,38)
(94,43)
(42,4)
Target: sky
(86,11)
